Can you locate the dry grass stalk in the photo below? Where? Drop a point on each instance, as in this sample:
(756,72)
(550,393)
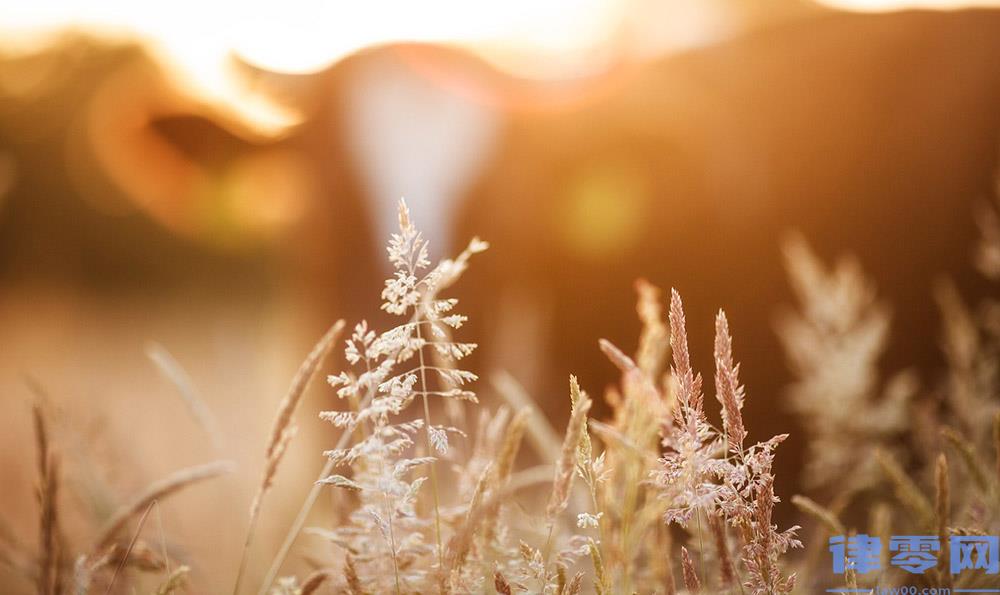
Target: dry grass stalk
(562,483)
(689,385)
(156,491)
(560,578)
(617,357)
(314,581)
(282,432)
(172,370)
(511,445)
(503,467)
(880,526)
(575,585)
(41,440)
(830,524)
(86,567)
(631,443)
(969,457)
(300,517)
(500,584)
(408,253)
(727,576)
(351,577)
(431,448)
(300,382)
(654,338)
(49,557)
(140,556)
(729,392)
(996,449)
(963,348)
(128,550)
(691,582)
(907,492)
(633,376)
(761,542)
(542,436)
(275,454)
(461,541)
(482,516)
(601,581)
(942,513)
(851,578)
(175,581)
(822,514)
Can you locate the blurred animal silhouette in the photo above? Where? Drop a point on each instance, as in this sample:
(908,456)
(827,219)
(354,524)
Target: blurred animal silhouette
(870,134)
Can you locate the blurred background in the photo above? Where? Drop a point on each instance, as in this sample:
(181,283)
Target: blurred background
(219,178)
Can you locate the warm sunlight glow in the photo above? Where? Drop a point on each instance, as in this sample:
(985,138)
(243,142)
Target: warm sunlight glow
(196,39)
(309,35)
(889,5)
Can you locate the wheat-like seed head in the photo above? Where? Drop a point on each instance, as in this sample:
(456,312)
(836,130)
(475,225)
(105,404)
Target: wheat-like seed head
(691,581)
(563,480)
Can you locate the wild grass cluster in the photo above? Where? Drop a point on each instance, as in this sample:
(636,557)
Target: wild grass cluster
(668,494)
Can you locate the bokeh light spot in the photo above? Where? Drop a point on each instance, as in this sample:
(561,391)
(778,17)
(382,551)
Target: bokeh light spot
(602,213)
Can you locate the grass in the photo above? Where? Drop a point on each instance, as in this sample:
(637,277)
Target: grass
(657,497)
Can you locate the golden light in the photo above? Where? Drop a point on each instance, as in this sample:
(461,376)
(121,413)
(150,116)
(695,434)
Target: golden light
(602,210)
(890,5)
(197,41)
(306,35)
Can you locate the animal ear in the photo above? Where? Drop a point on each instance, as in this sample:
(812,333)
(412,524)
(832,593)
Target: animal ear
(192,165)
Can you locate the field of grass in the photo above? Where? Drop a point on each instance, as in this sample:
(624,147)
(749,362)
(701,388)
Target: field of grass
(437,492)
